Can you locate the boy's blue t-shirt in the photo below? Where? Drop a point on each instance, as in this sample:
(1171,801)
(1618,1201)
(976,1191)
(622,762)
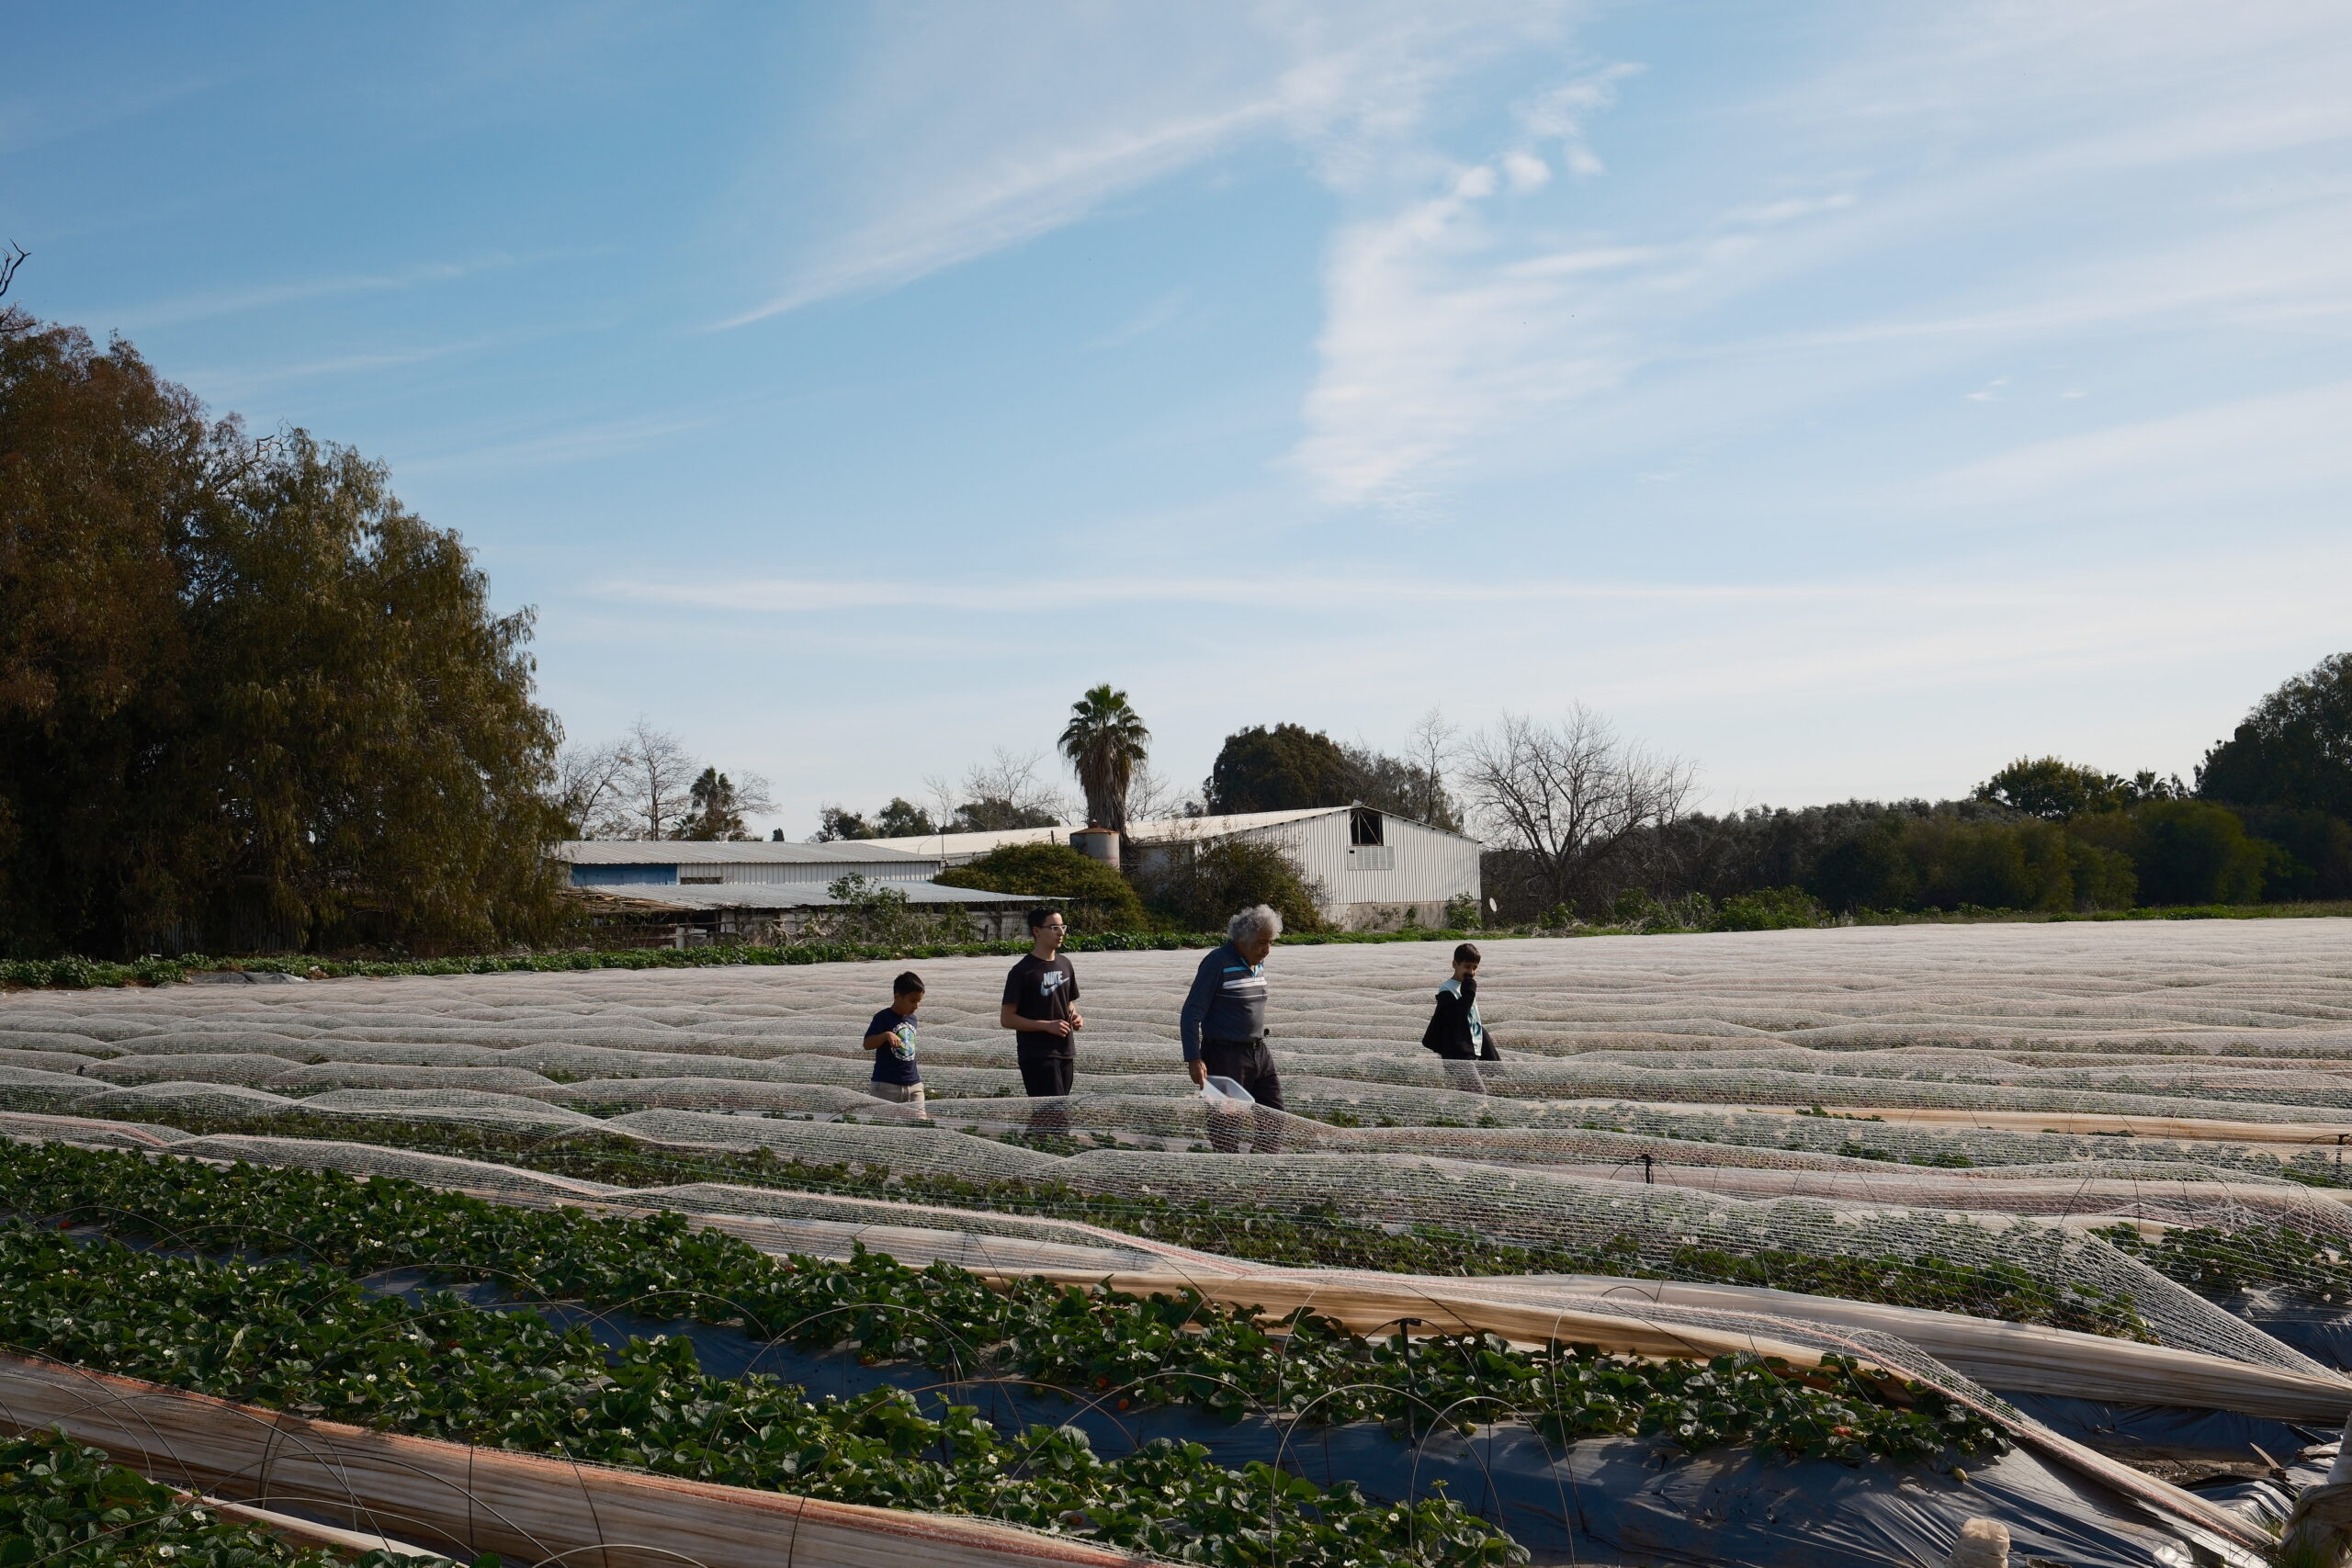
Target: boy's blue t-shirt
(894,1064)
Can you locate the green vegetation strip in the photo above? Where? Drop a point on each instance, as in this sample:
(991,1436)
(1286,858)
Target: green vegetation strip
(76,974)
(65,1505)
(1320,1237)
(1101,1345)
(2216,1262)
(310,1339)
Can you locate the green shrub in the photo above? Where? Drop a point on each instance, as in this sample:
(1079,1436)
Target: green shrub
(1867,871)
(2187,851)
(1201,886)
(1100,898)
(1769,909)
(2317,862)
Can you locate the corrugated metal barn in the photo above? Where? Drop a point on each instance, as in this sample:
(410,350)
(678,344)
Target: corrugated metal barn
(658,915)
(664,863)
(1378,871)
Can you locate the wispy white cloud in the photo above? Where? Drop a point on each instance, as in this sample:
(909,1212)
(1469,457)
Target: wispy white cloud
(956,163)
(1460,330)
(2239,450)
(1146,321)
(584,443)
(294,292)
(1972,655)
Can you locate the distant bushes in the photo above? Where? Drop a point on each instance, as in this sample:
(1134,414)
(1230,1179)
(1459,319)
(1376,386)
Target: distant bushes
(1101,899)
(1198,887)
(2159,852)
(1915,857)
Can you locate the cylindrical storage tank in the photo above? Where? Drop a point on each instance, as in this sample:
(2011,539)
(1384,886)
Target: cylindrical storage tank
(1098,843)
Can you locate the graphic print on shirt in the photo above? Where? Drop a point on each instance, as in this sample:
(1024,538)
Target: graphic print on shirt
(895,1063)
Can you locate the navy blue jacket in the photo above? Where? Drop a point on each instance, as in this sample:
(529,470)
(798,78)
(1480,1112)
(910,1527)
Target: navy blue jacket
(1228,1001)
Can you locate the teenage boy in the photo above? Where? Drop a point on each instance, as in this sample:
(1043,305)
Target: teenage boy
(891,1038)
(1457,1033)
(1041,1008)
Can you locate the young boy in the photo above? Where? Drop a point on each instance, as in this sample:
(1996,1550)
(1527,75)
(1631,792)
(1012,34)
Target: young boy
(1456,1032)
(891,1038)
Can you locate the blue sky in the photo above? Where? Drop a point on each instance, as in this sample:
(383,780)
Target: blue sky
(1848,398)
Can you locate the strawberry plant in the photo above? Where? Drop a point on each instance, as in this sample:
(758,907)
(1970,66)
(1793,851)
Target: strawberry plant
(65,1505)
(2215,1262)
(1094,1343)
(311,1340)
(1313,1237)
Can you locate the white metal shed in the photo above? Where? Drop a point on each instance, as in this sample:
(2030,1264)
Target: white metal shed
(1378,870)
(681,863)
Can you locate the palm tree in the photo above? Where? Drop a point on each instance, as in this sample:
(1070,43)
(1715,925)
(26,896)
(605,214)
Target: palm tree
(1104,741)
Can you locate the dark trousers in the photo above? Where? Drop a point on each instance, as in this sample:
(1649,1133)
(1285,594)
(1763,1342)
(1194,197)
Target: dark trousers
(1250,1064)
(1047,1069)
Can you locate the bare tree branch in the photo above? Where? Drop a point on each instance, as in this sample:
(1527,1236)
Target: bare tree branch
(13,321)
(1015,778)
(589,787)
(658,774)
(1570,796)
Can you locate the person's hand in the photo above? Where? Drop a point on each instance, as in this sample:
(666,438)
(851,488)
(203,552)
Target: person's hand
(1058,1028)
(1200,1071)
(1076,1022)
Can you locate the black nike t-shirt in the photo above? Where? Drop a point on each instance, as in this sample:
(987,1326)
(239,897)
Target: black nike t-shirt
(1042,988)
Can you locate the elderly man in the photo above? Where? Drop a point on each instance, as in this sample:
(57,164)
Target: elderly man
(1223,1021)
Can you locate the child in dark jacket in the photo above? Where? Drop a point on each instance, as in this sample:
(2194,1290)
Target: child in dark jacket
(1456,1032)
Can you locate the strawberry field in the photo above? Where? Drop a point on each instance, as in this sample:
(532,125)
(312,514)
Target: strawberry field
(1761,1213)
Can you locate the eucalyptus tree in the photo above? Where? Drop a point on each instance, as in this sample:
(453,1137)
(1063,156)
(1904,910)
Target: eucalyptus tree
(247,699)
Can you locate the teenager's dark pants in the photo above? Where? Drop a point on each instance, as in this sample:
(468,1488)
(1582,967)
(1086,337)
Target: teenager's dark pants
(1047,1069)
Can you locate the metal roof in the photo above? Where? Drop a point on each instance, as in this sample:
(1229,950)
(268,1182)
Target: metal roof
(752,851)
(785,895)
(1159,830)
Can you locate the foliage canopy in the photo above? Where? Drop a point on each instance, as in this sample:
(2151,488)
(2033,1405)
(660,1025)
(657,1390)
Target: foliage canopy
(1200,886)
(1101,899)
(246,699)
(2294,750)
(1286,768)
(1105,741)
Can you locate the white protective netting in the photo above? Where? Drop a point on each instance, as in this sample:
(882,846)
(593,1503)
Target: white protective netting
(1978,1095)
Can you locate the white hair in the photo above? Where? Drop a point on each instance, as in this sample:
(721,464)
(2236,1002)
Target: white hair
(1250,922)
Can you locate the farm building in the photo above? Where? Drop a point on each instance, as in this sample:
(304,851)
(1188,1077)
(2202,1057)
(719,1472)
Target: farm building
(1378,870)
(658,915)
(673,893)
(662,863)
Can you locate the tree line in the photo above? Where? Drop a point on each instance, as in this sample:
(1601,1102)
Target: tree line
(1580,826)
(248,701)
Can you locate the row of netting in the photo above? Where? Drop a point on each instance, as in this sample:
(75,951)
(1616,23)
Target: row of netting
(1882,1124)
(1565,1500)
(554,1087)
(2150,990)
(569,1071)
(748,1058)
(1446,1215)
